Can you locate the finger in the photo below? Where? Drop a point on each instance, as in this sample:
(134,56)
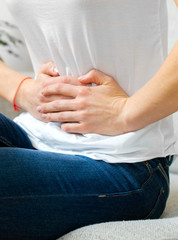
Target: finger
(49,68)
(70,80)
(58,106)
(73,128)
(69,116)
(52,98)
(94,76)
(62,79)
(60,89)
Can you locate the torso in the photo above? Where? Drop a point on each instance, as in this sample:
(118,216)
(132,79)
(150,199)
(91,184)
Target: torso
(124,39)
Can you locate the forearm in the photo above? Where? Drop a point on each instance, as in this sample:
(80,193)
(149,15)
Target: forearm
(9,81)
(158,98)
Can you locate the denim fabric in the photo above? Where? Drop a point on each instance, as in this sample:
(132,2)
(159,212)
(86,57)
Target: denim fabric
(45,195)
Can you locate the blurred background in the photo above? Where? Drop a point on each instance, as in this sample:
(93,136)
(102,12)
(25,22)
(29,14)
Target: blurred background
(14,53)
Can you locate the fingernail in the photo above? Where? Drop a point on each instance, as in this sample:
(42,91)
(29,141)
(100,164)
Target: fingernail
(81,77)
(39,109)
(55,70)
(44,116)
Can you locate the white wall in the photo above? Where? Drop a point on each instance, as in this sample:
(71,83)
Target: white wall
(21,63)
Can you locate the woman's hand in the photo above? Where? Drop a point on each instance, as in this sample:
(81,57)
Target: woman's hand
(30,96)
(92,109)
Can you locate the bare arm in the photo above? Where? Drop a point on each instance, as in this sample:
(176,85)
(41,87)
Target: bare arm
(9,80)
(28,95)
(106,109)
(158,98)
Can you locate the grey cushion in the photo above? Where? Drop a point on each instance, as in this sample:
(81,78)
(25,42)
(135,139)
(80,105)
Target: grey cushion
(165,228)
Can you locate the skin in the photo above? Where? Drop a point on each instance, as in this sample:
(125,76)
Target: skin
(156,100)
(82,108)
(87,109)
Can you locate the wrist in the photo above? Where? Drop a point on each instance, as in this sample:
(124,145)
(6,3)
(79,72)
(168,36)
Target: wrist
(124,119)
(134,116)
(23,93)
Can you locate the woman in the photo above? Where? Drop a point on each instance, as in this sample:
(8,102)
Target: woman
(90,166)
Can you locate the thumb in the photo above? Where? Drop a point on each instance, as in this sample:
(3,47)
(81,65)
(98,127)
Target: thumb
(94,76)
(49,68)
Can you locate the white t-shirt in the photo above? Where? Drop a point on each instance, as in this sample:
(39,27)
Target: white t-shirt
(123,38)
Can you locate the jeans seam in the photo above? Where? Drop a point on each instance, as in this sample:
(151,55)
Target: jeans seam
(6,142)
(96,195)
(86,195)
(153,210)
(134,191)
(160,167)
(73,195)
(150,170)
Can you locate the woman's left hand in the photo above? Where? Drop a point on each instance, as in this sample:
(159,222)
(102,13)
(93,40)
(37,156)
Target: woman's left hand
(92,109)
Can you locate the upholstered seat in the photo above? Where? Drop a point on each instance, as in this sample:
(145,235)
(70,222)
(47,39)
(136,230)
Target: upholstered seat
(165,228)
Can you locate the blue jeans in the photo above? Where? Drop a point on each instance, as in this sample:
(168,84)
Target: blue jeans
(45,195)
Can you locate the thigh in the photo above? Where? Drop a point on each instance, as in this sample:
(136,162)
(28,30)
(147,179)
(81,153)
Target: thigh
(45,195)
(12,135)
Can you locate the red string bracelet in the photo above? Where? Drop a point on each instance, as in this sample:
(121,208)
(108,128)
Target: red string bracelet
(16,108)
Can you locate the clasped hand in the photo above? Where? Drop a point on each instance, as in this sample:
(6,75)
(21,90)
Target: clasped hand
(81,107)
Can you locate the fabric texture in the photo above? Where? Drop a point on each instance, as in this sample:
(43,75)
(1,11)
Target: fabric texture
(68,191)
(165,228)
(130,45)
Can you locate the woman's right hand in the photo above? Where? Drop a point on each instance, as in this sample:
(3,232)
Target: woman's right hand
(30,96)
